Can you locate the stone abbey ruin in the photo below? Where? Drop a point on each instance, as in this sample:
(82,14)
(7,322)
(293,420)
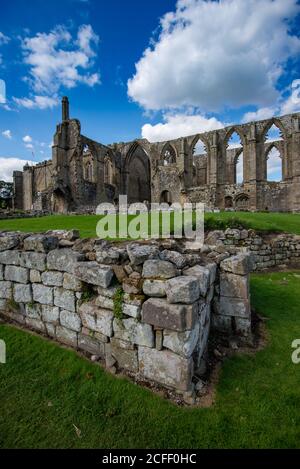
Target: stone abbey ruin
(84,173)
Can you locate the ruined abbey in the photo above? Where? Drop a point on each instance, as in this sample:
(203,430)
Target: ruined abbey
(83,173)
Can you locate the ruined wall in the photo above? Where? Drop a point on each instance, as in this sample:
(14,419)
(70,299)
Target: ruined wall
(141,307)
(267,250)
(170,171)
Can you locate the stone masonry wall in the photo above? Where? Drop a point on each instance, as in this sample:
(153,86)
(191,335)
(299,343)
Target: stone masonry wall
(267,250)
(142,307)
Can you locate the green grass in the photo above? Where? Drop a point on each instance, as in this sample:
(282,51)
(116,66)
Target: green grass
(46,390)
(86,224)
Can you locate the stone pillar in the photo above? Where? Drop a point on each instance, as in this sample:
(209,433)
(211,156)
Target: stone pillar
(18,190)
(185,164)
(294,160)
(27,188)
(65,109)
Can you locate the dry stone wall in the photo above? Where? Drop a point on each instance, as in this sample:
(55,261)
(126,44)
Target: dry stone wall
(268,250)
(143,307)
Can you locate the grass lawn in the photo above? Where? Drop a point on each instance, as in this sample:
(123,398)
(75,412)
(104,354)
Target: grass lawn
(46,391)
(87,223)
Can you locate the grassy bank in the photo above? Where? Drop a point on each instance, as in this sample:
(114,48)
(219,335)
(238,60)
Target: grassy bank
(86,224)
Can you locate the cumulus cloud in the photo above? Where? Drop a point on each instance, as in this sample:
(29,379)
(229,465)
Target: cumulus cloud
(286,105)
(27,139)
(292,104)
(8,165)
(179,125)
(260,114)
(57,60)
(37,102)
(216,54)
(7,134)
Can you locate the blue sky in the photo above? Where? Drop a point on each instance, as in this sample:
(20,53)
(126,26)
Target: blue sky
(153,68)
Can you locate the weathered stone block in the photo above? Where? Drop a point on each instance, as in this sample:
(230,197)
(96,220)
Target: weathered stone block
(50,329)
(8,241)
(132,286)
(70,320)
(33,260)
(52,278)
(108,292)
(176,317)
(97,319)
(10,257)
(126,358)
(131,310)
(138,253)
(35,324)
(243,327)
(136,300)
(94,273)
(132,331)
(234,285)
(182,343)
(104,302)
(159,269)
(64,299)
(155,288)
(1,272)
(33,311)
(107,256)
(3,304)
(6,290)
(234,307)
(91,345)
(184,290)
(22,293)
(50,314)
(119,272)
(241,264)
(165,367)
(64,260)
(35,276)
(42,294)
(104,321)
(66,336)
(222,323)
(16,274)
(70,282)
(203,275)
(40,243)
(14,316)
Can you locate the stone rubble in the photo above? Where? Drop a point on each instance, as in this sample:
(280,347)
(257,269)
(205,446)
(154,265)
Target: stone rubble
(148,308)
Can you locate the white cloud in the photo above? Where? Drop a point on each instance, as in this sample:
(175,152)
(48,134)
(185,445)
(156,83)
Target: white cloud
(260,114)
(215,54)
(283,106)
(7,134)
(179,125)
(37,102)
(292,104)
(29,146)
(8,165)
(57,59)
(27,139)
(3,39)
